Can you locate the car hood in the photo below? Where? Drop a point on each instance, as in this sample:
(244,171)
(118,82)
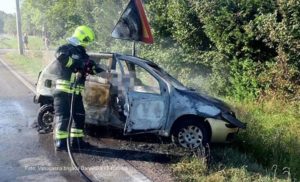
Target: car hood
(200,97)
(224,112)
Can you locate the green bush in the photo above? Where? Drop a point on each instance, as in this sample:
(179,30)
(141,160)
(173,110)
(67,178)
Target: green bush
(244,84)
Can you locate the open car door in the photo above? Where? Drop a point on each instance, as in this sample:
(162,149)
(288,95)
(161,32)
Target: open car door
(147,99)
(96,97)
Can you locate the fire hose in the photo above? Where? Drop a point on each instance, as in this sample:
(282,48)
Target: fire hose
(73,162)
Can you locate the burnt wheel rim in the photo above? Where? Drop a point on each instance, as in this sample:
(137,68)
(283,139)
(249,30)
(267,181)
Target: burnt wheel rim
(190,137)
(47,120)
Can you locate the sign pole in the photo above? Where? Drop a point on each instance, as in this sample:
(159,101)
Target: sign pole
(133,49)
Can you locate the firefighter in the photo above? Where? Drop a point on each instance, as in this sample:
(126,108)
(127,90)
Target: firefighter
(71,61)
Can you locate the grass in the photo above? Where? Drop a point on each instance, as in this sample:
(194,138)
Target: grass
(10,42)
(268,150)
(33,60)
(272,135)
(229,165)
(7,42)
(31,63)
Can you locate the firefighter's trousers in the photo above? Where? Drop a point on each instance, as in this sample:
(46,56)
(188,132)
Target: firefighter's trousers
(62,106)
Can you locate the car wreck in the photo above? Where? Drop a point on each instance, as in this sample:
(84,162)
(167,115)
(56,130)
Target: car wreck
(138,97)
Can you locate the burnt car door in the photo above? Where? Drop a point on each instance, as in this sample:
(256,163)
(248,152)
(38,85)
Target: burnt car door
(147,98)
(96,96)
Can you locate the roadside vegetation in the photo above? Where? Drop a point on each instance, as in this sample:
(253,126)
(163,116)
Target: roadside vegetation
(30,64)
(11,42)
(8,42)
(227,164)
(245,52)
(273,134)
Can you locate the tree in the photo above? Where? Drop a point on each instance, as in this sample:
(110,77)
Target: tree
(10,24)
(2,16)
(7,23)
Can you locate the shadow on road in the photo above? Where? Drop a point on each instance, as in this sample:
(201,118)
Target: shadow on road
(130,155)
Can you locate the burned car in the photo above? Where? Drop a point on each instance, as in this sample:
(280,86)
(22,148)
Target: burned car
(138,97)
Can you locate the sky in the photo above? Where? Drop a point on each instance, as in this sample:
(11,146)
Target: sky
(8,6)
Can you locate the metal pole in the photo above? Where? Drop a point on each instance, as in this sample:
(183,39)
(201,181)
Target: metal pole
(19,29)
(133,49)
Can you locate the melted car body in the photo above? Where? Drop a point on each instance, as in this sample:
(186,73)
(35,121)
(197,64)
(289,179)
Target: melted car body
(138,96)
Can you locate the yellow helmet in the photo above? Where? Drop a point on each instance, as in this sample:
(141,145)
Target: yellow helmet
(83,36)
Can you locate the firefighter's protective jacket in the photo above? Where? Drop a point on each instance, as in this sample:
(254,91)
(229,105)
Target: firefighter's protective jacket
(69,60)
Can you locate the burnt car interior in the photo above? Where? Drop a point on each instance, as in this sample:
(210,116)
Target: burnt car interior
(109,95)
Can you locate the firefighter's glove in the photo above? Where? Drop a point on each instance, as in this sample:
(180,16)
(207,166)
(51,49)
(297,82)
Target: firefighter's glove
(92,68)
(78,66)
(89,66)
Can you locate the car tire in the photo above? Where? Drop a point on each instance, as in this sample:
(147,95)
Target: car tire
(191,134)
(45,118)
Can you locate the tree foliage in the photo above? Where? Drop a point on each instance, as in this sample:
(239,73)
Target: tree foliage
(7,23)
(258,41)
(59,18)
(244,48)
(2,16)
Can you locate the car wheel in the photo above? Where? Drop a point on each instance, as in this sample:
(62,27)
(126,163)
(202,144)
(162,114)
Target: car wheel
(190,134)
(45,118)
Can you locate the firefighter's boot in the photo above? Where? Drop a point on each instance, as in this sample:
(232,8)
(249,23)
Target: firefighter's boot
(60,144)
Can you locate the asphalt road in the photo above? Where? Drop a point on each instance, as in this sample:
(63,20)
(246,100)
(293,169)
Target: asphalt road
(20,147)
(27,156)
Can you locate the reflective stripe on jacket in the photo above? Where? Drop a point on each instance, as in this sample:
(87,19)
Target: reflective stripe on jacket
(68,87)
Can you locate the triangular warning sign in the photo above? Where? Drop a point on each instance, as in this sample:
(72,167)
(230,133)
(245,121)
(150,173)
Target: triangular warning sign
(133,24)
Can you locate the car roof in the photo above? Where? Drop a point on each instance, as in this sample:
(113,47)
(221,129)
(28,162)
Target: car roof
(101,54)
(133,59)
(124,56)
(136,59)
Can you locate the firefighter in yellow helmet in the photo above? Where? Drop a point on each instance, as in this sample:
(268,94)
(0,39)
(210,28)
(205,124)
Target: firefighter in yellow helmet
(72,59)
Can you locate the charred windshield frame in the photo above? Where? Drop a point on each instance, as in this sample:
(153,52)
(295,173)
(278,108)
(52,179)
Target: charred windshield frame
(167,76)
